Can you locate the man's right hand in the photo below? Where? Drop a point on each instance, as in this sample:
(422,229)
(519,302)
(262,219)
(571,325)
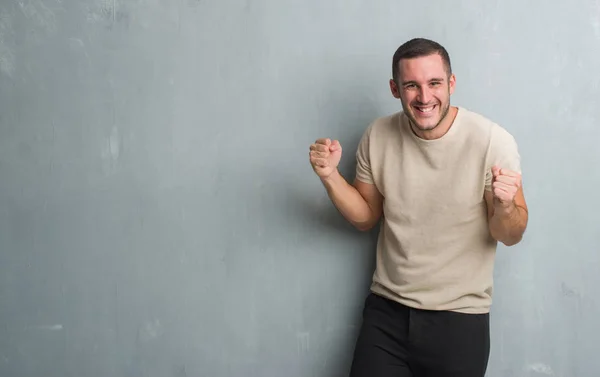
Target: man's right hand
(325,156)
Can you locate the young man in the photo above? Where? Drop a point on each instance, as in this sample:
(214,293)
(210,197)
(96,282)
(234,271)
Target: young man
(446,182)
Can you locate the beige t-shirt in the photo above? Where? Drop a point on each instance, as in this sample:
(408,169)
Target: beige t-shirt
(434,249)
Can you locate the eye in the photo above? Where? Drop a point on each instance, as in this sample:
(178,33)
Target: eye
(435,83)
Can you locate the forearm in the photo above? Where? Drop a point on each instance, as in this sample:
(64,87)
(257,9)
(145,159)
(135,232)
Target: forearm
(349,202)
(507,225)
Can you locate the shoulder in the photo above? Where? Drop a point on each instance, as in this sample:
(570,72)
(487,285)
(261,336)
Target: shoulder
(377,134)
(485,130)
(500,145)
(384,126)
(476,123)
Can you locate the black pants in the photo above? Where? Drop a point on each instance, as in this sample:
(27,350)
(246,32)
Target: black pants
(397,341)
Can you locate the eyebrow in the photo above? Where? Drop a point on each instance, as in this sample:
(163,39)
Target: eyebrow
(431,80)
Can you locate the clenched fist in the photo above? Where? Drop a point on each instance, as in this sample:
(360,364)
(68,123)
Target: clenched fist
(325,156)
(505,184)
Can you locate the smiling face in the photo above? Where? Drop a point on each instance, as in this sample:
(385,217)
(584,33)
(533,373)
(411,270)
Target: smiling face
(424,88)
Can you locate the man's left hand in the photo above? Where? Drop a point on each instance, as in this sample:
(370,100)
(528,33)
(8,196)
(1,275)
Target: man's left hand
(505,184)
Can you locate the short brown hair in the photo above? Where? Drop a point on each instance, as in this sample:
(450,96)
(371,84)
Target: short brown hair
(418,47)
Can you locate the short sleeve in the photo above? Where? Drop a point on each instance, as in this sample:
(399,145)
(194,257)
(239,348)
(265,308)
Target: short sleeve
(503,152)
(363,158)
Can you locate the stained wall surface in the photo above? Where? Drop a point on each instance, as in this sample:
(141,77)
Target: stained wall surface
(159,216)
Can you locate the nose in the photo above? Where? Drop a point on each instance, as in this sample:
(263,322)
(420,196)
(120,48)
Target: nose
(424,94)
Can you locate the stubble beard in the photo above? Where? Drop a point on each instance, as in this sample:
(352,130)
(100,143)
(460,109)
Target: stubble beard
(408,111)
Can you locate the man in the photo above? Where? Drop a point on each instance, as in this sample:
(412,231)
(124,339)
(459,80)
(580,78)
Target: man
(446,182)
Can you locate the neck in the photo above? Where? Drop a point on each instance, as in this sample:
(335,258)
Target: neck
(441,129)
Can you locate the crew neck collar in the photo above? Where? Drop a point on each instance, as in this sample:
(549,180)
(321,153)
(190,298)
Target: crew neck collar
(451,131)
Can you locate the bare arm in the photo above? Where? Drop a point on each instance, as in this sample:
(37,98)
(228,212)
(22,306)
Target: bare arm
(361,204)
(507,222)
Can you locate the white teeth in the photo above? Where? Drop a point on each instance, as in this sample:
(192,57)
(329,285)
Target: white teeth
(425,109)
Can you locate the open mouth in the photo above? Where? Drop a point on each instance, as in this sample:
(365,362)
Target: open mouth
(424,110)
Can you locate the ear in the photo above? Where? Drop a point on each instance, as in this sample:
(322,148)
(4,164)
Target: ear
(394,89)
(452,83)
